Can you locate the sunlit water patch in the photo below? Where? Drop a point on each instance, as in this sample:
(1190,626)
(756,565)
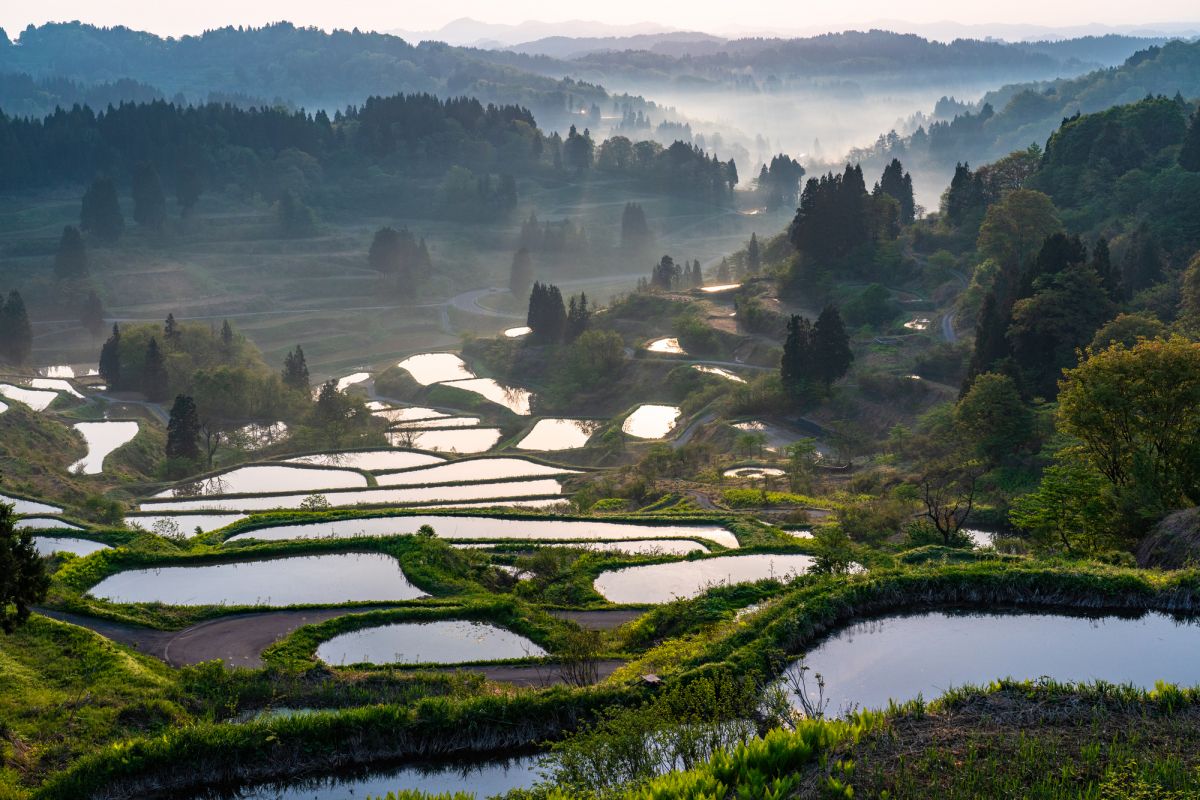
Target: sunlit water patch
(267,478)
(102,438)
(369,460)
(661,583)
(462,440)
(410,414)
(55,385)
(724,287)
(350,380)
(492,528)
(901,657)
(37,399)
(29,506)
(513,398)
(651,421)
(754,472)
(385,496)
(441,422)
(49,545)
(917,324)
(331,579)
(184,525)
(473,469)
(666,345)
(518,332)
(559,434)
(45,524)
(428,368)
(720,373)
(440,642)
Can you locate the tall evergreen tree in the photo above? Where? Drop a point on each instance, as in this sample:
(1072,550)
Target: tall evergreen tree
(724,276)
(635,231)
(171,332)
(149,202)
(16,333)
(23,577)
(665,274)
(155,381)
(295,371)
(831,347)
(1189,153)
(101,212)
(579,317)
(226,336)
(71,259)
(753,255)
(110,360)
(796,369)
(91,314)
(183,430)
(897,184)
(1142,266)
(547,318)
(520,277)
(991,339)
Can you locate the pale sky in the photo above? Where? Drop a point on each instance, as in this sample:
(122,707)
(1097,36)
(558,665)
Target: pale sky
(175,17)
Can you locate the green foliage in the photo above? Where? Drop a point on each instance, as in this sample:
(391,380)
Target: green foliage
(23,578)
(994,418)
(872,306)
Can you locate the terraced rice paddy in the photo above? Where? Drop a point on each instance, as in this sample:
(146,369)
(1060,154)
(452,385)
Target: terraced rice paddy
(651,421)
(102,438)
(267,478)
(473,469)
(662,583)
(440,642)
(559,434)
(37,399)
(49,545)
(369,460)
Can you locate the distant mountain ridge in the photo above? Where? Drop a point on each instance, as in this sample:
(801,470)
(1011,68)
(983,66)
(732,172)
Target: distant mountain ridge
(469,32)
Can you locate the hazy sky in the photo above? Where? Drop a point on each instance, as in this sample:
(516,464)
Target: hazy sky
(173,17)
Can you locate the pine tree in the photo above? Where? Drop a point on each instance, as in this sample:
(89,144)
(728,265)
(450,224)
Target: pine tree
(723,274)
(295,371)
(149,202)
(183,430)
(520,278)
(155,381)
(101,212)
(91,314)
(547,317)
(753,255)
(897,184)
(110,360)
(16,334)
(171,331)
(991,339)
(831,347)
(665,274)
(1189,153)
(796,369)
(1109,276)
(579,317)
(71,259)
(226,336)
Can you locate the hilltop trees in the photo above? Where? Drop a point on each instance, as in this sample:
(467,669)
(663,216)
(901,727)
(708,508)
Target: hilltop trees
(16,333)
(295,371)
(23,578)
(897,184)
(579,317)
(578,150)
(398,256)
(815,355)
(71,258)
(101,211)
(183,430)
(779,181)
(547,317)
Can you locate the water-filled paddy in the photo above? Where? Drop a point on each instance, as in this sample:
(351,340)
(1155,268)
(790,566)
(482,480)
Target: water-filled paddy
(350,380)
(36,399)
(513,398)
(720,373)
(483,778)
(324,579)
(55,385)
(650,547)
(45,523)
(49,545)
(441,642)
(661,583)
(464,527)
(668,345)
(102,438)
(268,478)
(3,407)
(369,460)
(389,496)
(559,434)
(899,657)
(518,332)
(473,469)
(184,524)
(29,506)
(428,368)
(754,472)
(410,414)
(441,422)
(461,440)
(651,421)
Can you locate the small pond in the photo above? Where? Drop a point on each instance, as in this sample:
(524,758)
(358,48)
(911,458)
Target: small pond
(754,472)
(483,778)
(428,368)
(388,496)
(184,524)
(559,434)
(900,657)
(49,545)
(410,414)
(450,641)
(518,332)
(259,479)
(513,398)
(325,579)
(36,399)
(720,373)
(55,385)
(667,345)
(45,524)
(463,440)
(29,506)
(464,527)
(350,380)
(369,460)
(102,438)
(473,469)
(651,421)
(661,583)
